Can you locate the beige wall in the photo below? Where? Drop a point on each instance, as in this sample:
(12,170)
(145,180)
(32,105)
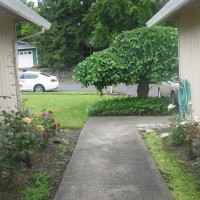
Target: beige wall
(8,81)
(189,53)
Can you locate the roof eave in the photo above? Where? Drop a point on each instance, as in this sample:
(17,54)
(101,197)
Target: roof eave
(167,11)
(25,12)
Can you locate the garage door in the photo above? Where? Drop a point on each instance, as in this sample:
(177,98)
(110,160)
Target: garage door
(25,59)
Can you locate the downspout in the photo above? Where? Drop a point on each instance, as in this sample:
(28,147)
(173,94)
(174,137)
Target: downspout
(19,102)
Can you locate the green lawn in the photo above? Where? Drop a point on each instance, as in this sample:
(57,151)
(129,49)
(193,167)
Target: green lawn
(69,108)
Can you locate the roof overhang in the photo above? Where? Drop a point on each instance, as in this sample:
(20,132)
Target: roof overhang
(170,10)
(23,13)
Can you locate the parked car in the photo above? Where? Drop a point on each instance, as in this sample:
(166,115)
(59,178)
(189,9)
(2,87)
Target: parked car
(37,81)
(170,89)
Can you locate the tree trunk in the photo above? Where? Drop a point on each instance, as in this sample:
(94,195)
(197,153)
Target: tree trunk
(143,88)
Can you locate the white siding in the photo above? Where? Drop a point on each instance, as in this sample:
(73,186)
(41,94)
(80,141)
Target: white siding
(189,53)
(8,80)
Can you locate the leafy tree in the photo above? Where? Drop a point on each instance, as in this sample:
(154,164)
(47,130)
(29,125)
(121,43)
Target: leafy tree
(143,55)
(150,54)
(101,69)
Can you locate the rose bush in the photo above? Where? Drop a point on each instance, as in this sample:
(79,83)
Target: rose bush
(22,134)
(187,133)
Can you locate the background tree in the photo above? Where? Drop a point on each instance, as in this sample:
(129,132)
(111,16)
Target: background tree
(80,26)
(57,47)
(108,18)
(146,54)
(26,28)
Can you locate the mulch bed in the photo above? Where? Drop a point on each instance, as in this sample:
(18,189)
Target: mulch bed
(46,160)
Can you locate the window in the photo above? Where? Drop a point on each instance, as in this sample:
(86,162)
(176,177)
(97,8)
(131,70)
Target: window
(30,76)
(29,52)
(21,76)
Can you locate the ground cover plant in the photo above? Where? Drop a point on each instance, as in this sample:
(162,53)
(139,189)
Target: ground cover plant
(173,168)
(129,106)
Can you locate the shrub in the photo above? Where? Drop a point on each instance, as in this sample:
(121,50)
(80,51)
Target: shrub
(183,131)
(22,134)
(186,133)
(129,106)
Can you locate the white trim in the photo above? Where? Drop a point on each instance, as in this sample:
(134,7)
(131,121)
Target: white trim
(25,12)
(170,8)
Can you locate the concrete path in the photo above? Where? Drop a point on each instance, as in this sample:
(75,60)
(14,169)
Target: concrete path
(111,162)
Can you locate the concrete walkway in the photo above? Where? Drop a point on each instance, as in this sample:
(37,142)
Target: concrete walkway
(111,162)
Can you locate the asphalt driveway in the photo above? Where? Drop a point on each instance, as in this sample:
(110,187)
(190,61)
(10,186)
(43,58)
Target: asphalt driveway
(72,86)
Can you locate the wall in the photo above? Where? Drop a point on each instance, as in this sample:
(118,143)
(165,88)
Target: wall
(189,53)
(8,72)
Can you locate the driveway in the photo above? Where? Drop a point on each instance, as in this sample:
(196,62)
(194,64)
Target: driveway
(72,86)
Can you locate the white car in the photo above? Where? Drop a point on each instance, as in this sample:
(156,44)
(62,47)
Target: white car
(37,81)
(169,89)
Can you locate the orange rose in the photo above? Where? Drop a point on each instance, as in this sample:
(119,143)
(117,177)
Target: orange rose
(26,120)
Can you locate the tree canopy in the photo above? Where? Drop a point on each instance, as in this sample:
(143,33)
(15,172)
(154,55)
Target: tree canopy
(80,26)
(108,18)
(143,55)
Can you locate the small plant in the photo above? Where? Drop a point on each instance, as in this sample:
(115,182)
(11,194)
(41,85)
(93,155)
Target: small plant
(129,106)
(46,125)
(63,149)
(40,189)
(185,132)
(18,136)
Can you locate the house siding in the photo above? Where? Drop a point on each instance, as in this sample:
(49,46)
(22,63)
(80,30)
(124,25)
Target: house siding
(8,72)
(189,53)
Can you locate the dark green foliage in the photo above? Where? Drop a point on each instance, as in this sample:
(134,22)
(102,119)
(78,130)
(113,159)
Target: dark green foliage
(178,136)
(107,18)
(57,46)
(130,106)
(86,26)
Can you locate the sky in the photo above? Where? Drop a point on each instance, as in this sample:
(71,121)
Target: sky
(35,1)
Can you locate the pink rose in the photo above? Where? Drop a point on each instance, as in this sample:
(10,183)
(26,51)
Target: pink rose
(196,123)
(170,123)
(43,114)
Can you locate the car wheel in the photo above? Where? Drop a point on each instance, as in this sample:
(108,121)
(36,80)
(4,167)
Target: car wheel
(39,88)
(159,93)
(173,98)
